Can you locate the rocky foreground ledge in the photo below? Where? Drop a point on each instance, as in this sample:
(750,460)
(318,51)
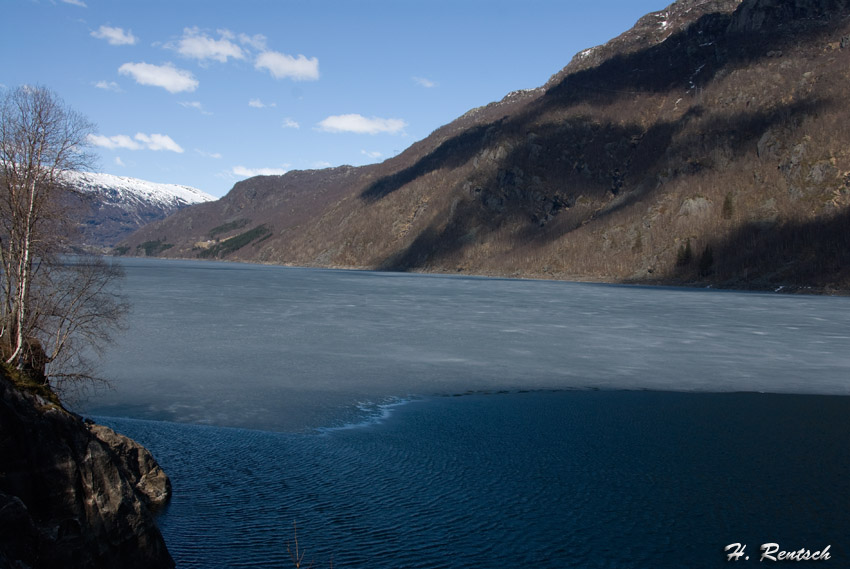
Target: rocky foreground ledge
(74,494)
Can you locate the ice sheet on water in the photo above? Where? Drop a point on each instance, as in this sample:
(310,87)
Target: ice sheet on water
(292,349)
(368,413)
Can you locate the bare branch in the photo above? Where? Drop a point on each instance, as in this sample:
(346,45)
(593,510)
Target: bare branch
(53,310)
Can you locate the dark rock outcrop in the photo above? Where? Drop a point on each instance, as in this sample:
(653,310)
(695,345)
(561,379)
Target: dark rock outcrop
(134,460)
(74,494)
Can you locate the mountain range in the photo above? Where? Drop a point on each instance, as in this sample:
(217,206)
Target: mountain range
(707,145)
(115,206)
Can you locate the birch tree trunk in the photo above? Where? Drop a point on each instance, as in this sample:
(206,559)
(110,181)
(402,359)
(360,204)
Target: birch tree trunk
(41,140)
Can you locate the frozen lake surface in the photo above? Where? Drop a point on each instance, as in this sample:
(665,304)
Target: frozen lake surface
(289,349)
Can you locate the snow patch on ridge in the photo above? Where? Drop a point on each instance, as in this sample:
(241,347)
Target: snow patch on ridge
(131,191)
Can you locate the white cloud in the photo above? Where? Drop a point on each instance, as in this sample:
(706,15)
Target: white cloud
(249,172)
(372,154)
(119,162)
(258,104)
(321,164)
(79,3)
(289,123)
(159,142)
(282,66)
(197,45)
(257,41)
(108,86)
(138,142)
(361,125)
(167,76)
(427,83)
(113,142)
(195,105)
(115,36)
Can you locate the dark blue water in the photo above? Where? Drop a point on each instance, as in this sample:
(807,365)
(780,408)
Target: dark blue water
(429,421)
(555,479)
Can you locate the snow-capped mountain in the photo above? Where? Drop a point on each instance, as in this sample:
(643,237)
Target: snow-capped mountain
(115,206)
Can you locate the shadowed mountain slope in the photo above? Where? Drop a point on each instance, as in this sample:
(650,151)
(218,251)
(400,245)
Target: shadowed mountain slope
(708,144)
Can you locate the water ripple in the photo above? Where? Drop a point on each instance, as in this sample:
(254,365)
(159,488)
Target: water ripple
(571,479)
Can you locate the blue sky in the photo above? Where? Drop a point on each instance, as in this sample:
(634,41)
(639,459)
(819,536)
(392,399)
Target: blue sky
(208,92)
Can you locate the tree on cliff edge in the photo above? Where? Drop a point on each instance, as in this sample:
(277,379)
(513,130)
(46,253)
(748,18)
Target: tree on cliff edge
(52,308)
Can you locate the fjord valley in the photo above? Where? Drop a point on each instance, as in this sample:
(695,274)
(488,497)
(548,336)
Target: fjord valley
(707,144)
(417,409)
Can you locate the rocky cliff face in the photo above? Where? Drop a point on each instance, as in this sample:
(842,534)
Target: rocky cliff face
(769,15)
(708,145)
(74,494)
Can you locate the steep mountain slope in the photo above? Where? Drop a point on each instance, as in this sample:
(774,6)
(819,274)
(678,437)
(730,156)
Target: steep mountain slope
(709,144)
(115,206)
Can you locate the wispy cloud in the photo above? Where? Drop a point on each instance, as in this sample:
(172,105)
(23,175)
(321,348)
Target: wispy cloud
(215,155)
(167,76)
(79,3)
(249,172)
(282,66)
(195,105)
(289,123)
(258,104)
(115,36)
(196,44)
(119,162)
(423,82)
(257,41)
(139,142)
(361,125)
(321,164)
(108,86)
(373,154)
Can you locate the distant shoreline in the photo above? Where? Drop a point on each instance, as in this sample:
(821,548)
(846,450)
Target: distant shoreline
(787,289)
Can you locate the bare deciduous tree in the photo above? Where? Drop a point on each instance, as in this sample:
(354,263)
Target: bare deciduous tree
(53,308)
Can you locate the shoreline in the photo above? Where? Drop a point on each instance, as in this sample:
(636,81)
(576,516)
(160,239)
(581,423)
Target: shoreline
(784,289)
